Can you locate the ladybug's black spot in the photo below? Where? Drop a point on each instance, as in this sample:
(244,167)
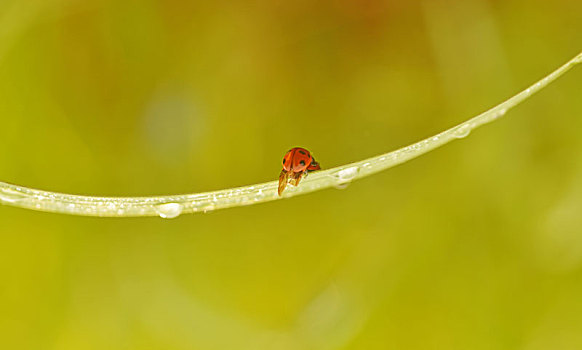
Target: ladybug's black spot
(284,160)
(302,152)
(302,163)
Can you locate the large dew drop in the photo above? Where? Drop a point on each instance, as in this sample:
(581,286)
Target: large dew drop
(345,176)
(169,210)
(463,131)
(341,186)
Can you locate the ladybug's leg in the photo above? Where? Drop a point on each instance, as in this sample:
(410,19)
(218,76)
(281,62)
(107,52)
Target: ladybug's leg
(295,178)
(283,177)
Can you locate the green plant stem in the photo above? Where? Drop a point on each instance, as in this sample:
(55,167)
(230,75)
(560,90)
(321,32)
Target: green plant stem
(174,205)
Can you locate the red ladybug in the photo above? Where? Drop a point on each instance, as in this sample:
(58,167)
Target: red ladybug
(297,161)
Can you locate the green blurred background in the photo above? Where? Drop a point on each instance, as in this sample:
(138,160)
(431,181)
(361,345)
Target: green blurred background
(477,245)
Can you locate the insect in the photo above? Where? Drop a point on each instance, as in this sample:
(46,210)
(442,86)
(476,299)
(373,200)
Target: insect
(296,163)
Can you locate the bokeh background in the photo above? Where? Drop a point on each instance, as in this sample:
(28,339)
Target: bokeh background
(477,245)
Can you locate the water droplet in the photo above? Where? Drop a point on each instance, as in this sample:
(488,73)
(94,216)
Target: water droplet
(500,113)
(578,59)
(345,176)
(11,196)
(169,210)
(342,186)
(463,131)
(367,165)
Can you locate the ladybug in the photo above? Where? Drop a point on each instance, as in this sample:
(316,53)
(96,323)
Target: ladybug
(297,162)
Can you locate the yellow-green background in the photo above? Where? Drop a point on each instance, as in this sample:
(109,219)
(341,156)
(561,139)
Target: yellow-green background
(477,245)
